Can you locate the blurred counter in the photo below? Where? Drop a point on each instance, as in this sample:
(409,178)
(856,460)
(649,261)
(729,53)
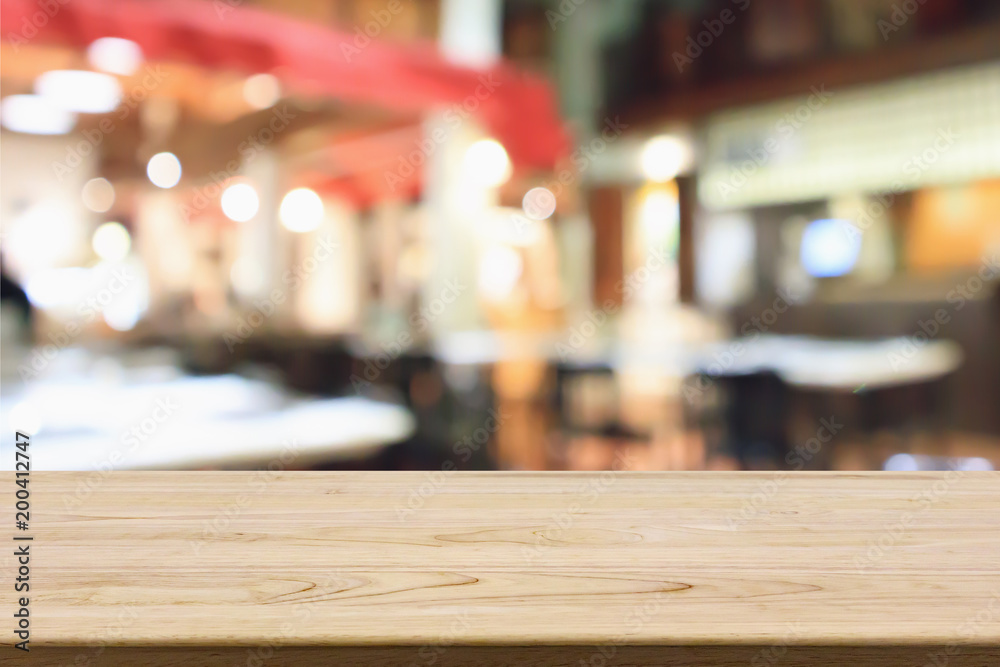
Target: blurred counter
(120,413)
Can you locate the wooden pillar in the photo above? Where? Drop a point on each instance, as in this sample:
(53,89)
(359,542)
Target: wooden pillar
(687,197)
(607,210)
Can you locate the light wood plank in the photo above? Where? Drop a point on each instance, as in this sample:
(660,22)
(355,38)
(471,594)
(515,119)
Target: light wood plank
(231,559)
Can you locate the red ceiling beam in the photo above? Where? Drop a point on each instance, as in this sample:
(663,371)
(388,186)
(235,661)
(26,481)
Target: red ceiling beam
(518,108)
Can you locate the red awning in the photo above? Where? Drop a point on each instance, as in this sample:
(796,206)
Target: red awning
(519,109)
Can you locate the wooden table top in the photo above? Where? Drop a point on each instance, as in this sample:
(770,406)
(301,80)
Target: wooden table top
(370,558)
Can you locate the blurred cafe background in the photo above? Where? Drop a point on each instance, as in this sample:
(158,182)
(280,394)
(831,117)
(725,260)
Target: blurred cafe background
(501,234)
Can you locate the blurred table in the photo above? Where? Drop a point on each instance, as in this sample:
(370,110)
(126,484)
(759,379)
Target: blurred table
(798,360)
(802,361)
(314,431)
(108,416)
(514,568)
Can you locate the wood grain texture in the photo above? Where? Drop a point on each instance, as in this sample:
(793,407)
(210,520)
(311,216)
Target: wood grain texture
(521,656)
(444,564)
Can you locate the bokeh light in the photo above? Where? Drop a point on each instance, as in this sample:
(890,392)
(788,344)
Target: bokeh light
(240,202)
(486,162)
(115,55)
(164,170)
(111,241)
(663,158)
(539,203)
(80,91)
(262,90)
(98,195)
(33,114)
(301,210)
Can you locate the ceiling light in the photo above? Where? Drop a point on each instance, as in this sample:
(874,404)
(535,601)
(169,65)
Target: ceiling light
(164,170)
(301,210)
(111,241)
(664,157)
(240,202)
(262,90)
(487,163)
(115,55)
(98,195)
(33,114)
(80,91)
